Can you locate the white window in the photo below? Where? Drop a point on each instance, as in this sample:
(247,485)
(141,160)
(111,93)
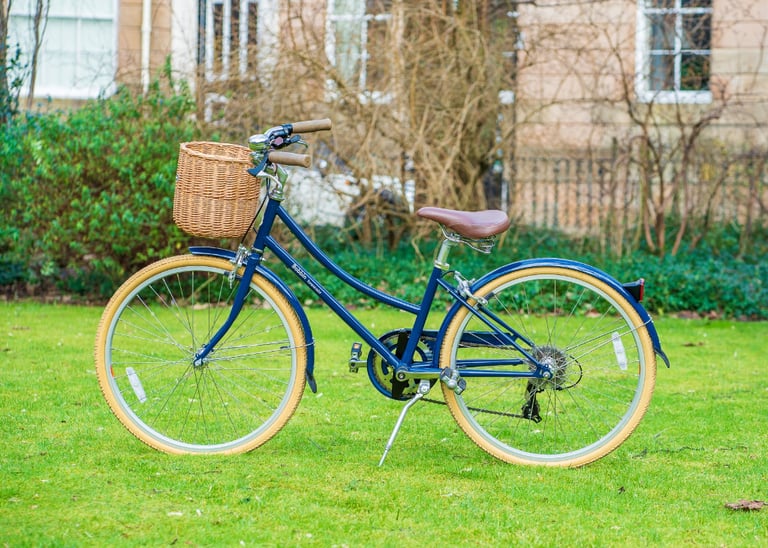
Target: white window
(356,45)
(239,38)
(674,51)
(77,58)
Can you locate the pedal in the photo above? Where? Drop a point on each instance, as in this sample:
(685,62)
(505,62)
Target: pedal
(453,380)
(355,363)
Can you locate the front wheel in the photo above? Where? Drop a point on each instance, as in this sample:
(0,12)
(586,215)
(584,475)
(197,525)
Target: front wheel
(239,397)
(596,345)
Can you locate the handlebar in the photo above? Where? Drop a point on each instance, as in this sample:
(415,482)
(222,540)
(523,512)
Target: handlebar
(284,135)
(283,131)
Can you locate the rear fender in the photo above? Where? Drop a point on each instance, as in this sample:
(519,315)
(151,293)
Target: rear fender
(287,293)
(626,290)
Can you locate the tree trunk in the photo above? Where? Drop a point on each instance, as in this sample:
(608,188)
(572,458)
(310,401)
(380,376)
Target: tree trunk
(39,22)
(5,92)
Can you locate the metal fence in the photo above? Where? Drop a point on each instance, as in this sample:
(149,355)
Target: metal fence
(585,195)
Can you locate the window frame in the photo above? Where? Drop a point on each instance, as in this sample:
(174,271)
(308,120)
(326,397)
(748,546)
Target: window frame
(363,18)
(643,56)
(21,14)
(266,38)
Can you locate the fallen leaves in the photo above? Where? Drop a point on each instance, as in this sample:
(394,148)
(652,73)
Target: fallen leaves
(746,505)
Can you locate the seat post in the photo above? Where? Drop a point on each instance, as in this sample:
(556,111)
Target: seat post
(441,260)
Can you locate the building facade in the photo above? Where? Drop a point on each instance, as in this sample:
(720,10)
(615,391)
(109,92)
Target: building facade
(590,69)
(580,67)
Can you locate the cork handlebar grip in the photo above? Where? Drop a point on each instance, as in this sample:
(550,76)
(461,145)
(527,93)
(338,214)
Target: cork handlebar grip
(308,126)
(290,158)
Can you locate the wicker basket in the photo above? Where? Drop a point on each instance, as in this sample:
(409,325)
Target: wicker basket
(215,196)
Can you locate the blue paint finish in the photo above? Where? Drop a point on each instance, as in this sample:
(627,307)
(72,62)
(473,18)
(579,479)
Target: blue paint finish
(287,293)
(572,265)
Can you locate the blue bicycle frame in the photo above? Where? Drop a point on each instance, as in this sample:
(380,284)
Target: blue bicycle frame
(499,332)
(265,241)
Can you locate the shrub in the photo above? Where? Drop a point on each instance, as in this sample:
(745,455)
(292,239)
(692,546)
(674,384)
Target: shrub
(703,283)
(93,188)
(86,200)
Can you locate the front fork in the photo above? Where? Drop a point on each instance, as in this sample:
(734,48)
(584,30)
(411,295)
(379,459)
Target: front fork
(276,177)
(244,285)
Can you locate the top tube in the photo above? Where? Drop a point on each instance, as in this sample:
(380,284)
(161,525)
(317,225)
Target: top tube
(338,271)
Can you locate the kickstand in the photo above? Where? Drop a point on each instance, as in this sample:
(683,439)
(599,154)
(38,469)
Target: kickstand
(424,387)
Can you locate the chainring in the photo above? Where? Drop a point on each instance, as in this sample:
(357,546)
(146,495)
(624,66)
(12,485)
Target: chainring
(382,375)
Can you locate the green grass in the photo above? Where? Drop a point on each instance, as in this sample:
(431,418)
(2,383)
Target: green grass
(71,475)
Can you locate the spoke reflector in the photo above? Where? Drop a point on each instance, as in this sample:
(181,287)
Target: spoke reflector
(133,378)
(618,349)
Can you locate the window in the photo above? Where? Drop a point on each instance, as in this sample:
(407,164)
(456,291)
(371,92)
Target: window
(238,39)
(235,36)
(674,51)
(356,44)
(77,58)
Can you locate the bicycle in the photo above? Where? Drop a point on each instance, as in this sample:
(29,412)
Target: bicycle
(542,361)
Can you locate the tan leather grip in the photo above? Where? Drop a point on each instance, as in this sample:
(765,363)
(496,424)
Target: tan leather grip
(308,126)
(290,158)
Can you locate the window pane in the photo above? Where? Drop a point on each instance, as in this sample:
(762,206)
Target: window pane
(696,3)
(234,33)
(253,20)
(662,31)
(348,49)
(92,8)
(378,7)
(218,33)
(61,8)
(662,73)
(99,36)
(679,40)
(694,72)
(56,70)
(360,41)
(93,70)
(60,37)
(377,48)
(697,29)
(349,7)
(77,56)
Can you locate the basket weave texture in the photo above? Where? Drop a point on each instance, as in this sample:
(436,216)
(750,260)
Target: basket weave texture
(215,196)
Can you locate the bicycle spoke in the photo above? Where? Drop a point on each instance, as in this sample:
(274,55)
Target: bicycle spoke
(238,396)
(599,361)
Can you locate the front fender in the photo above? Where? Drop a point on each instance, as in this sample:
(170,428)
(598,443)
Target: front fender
(572,265)
(287,293)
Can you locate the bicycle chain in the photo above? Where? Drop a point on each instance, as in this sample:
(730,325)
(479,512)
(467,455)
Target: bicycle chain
(481,410)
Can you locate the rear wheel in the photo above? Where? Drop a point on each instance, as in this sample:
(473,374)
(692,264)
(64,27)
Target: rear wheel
(597,346)
(240,397)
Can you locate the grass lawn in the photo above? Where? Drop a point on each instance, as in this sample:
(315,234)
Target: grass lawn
(71,475)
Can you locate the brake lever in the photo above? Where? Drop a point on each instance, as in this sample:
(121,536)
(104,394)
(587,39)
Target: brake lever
(276,133)
(281,142)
